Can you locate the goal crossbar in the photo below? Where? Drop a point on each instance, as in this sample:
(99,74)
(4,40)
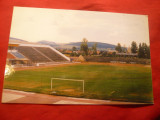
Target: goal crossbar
(66,80)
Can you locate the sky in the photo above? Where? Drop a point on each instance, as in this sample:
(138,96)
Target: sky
(64,26)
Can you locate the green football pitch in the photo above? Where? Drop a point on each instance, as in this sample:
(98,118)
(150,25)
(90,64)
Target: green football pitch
(131,83)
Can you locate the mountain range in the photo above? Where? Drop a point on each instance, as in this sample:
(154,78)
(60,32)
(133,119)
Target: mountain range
(100,45)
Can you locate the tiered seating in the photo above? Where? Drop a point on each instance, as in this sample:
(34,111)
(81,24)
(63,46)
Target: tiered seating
(17,54)
(32,54)
(51,54)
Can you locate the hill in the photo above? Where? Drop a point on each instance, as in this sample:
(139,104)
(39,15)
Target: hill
(100,46)
(45,42)
(90,44)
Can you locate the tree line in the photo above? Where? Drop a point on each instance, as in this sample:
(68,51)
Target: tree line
(143,50)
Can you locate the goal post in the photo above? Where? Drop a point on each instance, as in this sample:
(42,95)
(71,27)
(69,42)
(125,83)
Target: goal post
(63,79)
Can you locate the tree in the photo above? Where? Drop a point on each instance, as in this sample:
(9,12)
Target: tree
(124,50)
(144,51)
(74,48)
(114,54)
(140,51)
(118,47)
(84,46)
(148,52)
(94,48)
(134,47)
(104,53)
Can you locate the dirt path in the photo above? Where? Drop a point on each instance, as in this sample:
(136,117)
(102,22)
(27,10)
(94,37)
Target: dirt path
(14,96)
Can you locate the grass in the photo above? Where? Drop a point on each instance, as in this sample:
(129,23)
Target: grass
(106,82)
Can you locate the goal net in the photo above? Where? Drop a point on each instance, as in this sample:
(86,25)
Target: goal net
(67,85)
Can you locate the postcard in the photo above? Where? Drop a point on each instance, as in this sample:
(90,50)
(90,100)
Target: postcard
(58,56)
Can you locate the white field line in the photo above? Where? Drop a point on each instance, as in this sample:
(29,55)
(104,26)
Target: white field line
(70,102)
(86,99)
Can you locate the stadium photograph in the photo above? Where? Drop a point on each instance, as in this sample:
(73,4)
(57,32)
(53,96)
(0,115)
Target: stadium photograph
(77,57)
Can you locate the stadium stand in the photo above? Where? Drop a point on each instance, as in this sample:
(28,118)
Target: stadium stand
(51,54)
(17,54)
(40,54)
(32,54)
